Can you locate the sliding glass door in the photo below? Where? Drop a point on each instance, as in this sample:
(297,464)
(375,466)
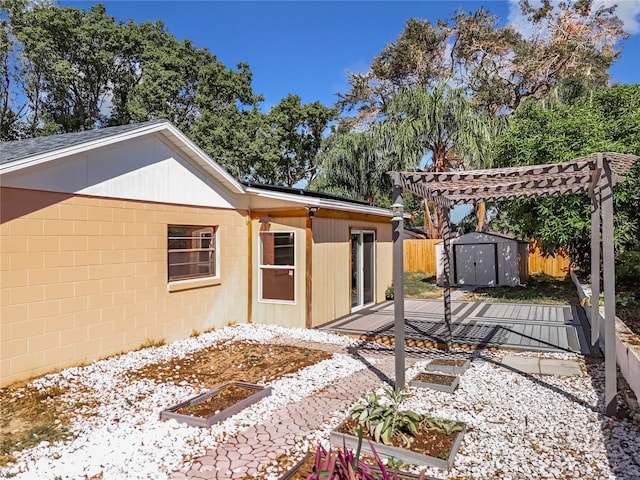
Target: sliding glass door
(362,268)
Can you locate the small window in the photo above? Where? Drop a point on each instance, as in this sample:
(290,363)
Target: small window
(191,252)
(277,266)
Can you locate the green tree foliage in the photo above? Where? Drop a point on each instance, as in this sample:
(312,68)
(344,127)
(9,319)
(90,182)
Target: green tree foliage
(354,164)
(64,69)
(68,63)
(296,133)
(498,66)
(441,123)
(606,120)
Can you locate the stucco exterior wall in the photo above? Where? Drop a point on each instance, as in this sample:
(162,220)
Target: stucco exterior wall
(85,277)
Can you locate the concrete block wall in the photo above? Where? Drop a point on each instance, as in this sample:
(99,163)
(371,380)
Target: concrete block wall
(84,277)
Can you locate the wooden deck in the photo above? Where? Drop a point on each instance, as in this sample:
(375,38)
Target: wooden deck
(554,328)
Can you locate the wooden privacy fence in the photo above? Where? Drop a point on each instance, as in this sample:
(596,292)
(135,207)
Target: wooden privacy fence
(554,266)
(420,256)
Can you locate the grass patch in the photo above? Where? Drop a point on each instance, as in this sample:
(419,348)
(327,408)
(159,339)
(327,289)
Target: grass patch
(30,416)
(540,289)
(421,285)
(150,342)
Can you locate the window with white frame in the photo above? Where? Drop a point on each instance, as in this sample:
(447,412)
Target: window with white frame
(191,252)
(277,266)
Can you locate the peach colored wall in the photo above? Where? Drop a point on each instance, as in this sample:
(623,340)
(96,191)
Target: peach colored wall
(82,278)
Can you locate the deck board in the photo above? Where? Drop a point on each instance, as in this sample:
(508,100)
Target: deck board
(555,328)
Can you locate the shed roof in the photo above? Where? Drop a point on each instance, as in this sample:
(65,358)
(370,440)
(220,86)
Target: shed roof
(491,234)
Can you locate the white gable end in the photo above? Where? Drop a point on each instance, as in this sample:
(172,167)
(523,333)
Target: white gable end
(144,168)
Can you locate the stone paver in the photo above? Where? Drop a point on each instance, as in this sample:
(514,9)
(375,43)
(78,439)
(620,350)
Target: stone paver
(238,456)
(542,366)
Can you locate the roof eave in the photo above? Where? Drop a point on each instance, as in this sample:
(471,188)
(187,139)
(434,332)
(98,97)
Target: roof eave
(309,201)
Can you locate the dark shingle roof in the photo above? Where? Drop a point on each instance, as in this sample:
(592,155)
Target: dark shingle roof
(21,149)
(303,192)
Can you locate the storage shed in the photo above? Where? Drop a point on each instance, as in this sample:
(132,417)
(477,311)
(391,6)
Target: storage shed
(485,259)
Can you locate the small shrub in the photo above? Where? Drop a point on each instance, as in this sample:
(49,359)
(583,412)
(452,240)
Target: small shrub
(385,422)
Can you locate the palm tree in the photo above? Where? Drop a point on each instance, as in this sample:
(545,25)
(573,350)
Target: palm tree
(354,164)
(439,122)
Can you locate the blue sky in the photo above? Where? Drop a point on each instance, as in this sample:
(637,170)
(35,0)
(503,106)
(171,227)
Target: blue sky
(306,47)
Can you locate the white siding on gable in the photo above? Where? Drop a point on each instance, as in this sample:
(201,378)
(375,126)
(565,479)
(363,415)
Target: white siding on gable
(139,169)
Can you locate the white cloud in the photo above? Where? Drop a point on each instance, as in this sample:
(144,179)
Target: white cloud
(627,10)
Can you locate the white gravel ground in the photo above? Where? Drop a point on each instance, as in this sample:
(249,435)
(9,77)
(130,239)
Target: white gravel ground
(519,427)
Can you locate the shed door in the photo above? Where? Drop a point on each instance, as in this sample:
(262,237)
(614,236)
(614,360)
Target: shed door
(476,264)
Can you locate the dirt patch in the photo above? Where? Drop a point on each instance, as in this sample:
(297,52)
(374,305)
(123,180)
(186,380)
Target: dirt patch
(31,416)
(244,361)
(227,397)
(447,362)
(435,378)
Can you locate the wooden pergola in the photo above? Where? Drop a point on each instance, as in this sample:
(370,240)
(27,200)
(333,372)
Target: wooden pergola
(593,175)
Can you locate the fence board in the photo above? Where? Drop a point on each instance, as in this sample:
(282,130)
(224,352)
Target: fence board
(554,266)
(420,256)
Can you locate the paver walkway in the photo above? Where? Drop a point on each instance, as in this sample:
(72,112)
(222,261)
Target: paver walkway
(259,445)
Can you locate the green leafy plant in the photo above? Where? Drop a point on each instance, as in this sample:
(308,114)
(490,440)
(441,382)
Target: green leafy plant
(389,293)
(384,421)
(447,426)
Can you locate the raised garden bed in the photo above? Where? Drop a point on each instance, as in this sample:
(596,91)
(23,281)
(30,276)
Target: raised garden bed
(436,381)
(429,447)
(448,365)
(216,405)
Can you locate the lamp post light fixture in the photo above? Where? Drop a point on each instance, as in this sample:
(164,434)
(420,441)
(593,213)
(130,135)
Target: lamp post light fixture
(398,212)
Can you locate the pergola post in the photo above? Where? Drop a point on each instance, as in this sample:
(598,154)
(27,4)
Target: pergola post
(398,281)
(608,270)
(446,281)
(595,267)
(595,250)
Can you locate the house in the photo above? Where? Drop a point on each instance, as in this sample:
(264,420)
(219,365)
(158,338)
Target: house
(485,259)
(113,237)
